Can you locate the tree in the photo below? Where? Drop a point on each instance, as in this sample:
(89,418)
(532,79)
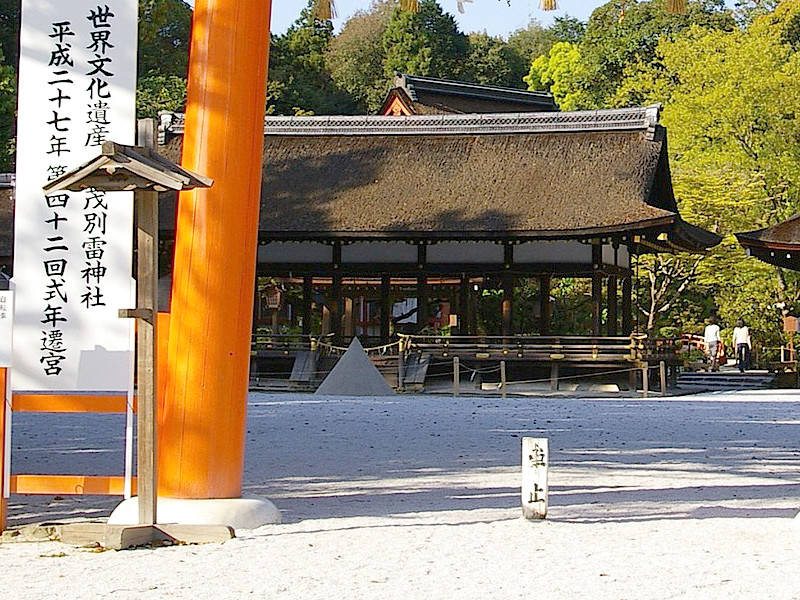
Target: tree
(614,41)
(157,93)
(493,62)
(9,31)
(8,103)
(568,29)
(164,36)
(300,79)
(730,103)
(563,73)
(354,58)
(533,41)
(425,43)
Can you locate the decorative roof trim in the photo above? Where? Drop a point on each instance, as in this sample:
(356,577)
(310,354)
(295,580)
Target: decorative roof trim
(622,119)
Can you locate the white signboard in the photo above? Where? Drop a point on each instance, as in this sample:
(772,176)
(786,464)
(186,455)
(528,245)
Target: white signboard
(6,326)
(72,251)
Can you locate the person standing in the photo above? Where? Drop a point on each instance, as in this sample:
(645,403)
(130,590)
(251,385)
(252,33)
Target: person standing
(712,339)
(742,345)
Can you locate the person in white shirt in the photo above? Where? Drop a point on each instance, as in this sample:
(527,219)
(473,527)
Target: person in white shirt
(712,340)
(742,345)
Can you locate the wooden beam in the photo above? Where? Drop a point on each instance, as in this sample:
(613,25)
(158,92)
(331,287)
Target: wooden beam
(69,403)
(69,485)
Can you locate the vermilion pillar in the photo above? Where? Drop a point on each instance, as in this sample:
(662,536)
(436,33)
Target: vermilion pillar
(202,430)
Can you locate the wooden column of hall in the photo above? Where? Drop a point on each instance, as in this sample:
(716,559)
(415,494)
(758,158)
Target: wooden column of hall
(627,305)
(507,305)
(422,302)
(336,307)
(463,306)
(544,305)
(613,315)
(308,292)
(597,302)
(386,309)
(349,322)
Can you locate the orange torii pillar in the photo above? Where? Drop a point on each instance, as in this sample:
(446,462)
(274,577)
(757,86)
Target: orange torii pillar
(202,429)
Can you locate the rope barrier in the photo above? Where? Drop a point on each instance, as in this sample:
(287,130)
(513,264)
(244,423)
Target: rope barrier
(382,349)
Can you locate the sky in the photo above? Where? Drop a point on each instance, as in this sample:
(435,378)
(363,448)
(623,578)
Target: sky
(496,17)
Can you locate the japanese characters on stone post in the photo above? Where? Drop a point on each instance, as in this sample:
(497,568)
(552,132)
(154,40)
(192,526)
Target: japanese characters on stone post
(73,250)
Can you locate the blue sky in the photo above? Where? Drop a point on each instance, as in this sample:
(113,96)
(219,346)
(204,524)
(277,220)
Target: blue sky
(496,17)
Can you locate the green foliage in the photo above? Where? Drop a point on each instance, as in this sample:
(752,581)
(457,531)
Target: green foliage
(493,62)
(589,68)
(568,29)
(354,58)
(158,93)
(613,42)
(532,41)
(164,36)
(425,43)
(730,103)
(8,101)
(9,31)
(299,77)
(562,71)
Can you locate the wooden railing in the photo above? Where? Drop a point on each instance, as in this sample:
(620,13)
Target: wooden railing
(568,349)
(577,349)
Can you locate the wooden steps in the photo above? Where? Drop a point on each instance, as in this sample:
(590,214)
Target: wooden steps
(701,381)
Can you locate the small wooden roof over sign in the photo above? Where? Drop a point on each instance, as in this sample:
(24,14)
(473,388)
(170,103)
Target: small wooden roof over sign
(124,168)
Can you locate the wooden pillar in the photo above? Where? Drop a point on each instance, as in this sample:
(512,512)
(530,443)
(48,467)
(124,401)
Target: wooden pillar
(597,302)
(544,305)
(386,310)
(508,305)
(308,292)
(463,306)
(336,308)
(215,252)
(422,302)
(612,306)
(627,304)
(326,319)
(349,324)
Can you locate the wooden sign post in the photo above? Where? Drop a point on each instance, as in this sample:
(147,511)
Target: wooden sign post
(140,169)
(535,459)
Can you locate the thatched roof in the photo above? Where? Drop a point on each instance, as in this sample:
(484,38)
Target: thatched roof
(428,96)
(778,245)
(491,176)
(526,175)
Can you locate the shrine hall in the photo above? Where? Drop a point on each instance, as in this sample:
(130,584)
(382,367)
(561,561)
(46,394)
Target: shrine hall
(404,223)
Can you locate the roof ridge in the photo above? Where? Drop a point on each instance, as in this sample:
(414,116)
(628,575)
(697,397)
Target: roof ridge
(462,88)
(617,119)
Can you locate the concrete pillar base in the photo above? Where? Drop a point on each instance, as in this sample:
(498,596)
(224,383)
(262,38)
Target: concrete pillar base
(239,513)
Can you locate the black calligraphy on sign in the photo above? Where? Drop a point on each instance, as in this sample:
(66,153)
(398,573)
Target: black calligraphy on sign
(60,89)
(95,209)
